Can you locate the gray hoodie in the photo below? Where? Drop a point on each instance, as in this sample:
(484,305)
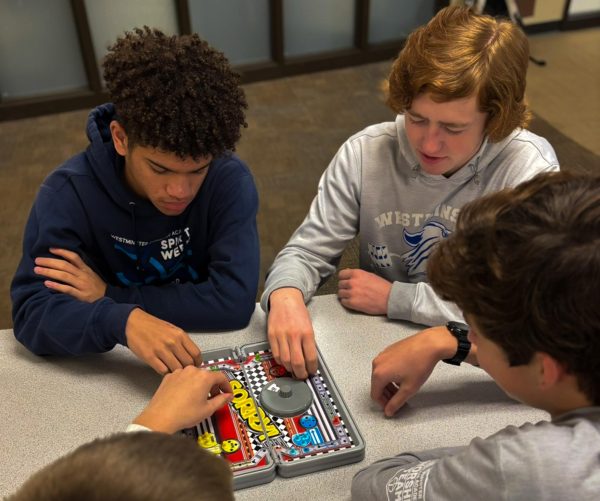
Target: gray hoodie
(558,460)
(375,187)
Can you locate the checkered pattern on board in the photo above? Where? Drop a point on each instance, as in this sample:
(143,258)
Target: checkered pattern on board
(322,382)
(257,379)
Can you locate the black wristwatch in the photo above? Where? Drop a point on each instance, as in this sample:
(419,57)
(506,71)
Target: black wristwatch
(460,332)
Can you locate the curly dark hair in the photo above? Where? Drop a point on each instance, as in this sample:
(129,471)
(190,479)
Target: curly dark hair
(525,264)
(175,93)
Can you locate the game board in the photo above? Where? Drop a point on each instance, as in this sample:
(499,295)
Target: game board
(259,445)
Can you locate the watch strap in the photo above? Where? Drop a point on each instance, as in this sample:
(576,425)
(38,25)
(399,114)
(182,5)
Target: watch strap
(460,331)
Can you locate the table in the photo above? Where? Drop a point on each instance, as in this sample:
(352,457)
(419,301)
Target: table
(51,405)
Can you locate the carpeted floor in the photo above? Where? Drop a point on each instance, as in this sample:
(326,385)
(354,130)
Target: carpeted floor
(295,127)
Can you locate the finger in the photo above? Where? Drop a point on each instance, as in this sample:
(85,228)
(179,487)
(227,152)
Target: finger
(192,350)
(344,284)
(215,403)
(182,355)
(65,289)
(397,401)
(50,262)
(310,355)
(344,293)
(345,274)
(274,343)
(168,358)
(61,276)
(284,354)
(378,385)
(220,383)
(171,375)
(70,256)
(158,366)
(297,360)
(57,265)
(347,303)
(219,389)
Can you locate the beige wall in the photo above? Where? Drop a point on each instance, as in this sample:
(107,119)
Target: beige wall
(546,11)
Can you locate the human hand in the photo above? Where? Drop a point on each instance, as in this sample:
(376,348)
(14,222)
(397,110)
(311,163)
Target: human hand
(70,275)
(163,346)
(363,291)
(401,369)
(290,332)
(184,398)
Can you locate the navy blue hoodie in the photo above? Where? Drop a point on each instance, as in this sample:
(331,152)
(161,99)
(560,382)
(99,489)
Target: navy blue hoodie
(198,270)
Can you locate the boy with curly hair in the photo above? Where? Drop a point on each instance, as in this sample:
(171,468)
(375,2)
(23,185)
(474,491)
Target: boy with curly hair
(151,231)
(458,86)
(524,267)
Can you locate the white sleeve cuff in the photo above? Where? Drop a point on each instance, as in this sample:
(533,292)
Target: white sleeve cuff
(136,427)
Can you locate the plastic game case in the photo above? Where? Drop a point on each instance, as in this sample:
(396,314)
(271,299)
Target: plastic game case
(260,445)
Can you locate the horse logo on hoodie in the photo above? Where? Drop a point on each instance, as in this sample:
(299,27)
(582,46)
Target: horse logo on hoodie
(422,244)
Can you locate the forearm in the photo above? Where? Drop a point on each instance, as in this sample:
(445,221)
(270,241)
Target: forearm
(444,345)
(208,305)
(418,303)
(308,258)
(292,271)
(404,474)
(56,324)
(313,251)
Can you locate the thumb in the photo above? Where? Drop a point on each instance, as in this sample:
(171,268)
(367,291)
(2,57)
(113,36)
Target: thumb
(218,401)
(397,401)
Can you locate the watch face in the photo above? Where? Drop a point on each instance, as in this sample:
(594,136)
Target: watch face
(458,326)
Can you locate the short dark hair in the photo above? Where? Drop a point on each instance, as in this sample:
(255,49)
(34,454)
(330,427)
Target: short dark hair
(459,53)
(138,466)
(525,264)
(175,93)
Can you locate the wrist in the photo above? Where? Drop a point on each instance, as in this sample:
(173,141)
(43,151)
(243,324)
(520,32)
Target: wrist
(285,294)
(460,332)
(443,343)
(154,422)
(131,321)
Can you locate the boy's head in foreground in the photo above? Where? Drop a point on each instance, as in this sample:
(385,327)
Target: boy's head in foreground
(134,467)
(524,267)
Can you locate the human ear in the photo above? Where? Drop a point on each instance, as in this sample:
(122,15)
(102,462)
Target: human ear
(551,371)
(119,137)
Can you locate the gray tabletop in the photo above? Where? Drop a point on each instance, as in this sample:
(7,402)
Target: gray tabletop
(51,405)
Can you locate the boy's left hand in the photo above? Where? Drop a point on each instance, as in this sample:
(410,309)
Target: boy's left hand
(184,398)
(70,275)
(363,291)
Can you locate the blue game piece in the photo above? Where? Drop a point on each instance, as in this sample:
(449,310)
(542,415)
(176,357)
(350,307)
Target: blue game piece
(308,421)
(301,439)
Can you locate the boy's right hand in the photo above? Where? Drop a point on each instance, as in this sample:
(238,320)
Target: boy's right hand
(184,398)
(403,367)
(290,332)
(160,344)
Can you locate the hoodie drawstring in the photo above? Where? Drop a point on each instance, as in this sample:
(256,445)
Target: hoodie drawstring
(415,171)
(475,170)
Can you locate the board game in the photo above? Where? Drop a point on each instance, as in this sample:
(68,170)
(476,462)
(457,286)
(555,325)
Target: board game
(318,433)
